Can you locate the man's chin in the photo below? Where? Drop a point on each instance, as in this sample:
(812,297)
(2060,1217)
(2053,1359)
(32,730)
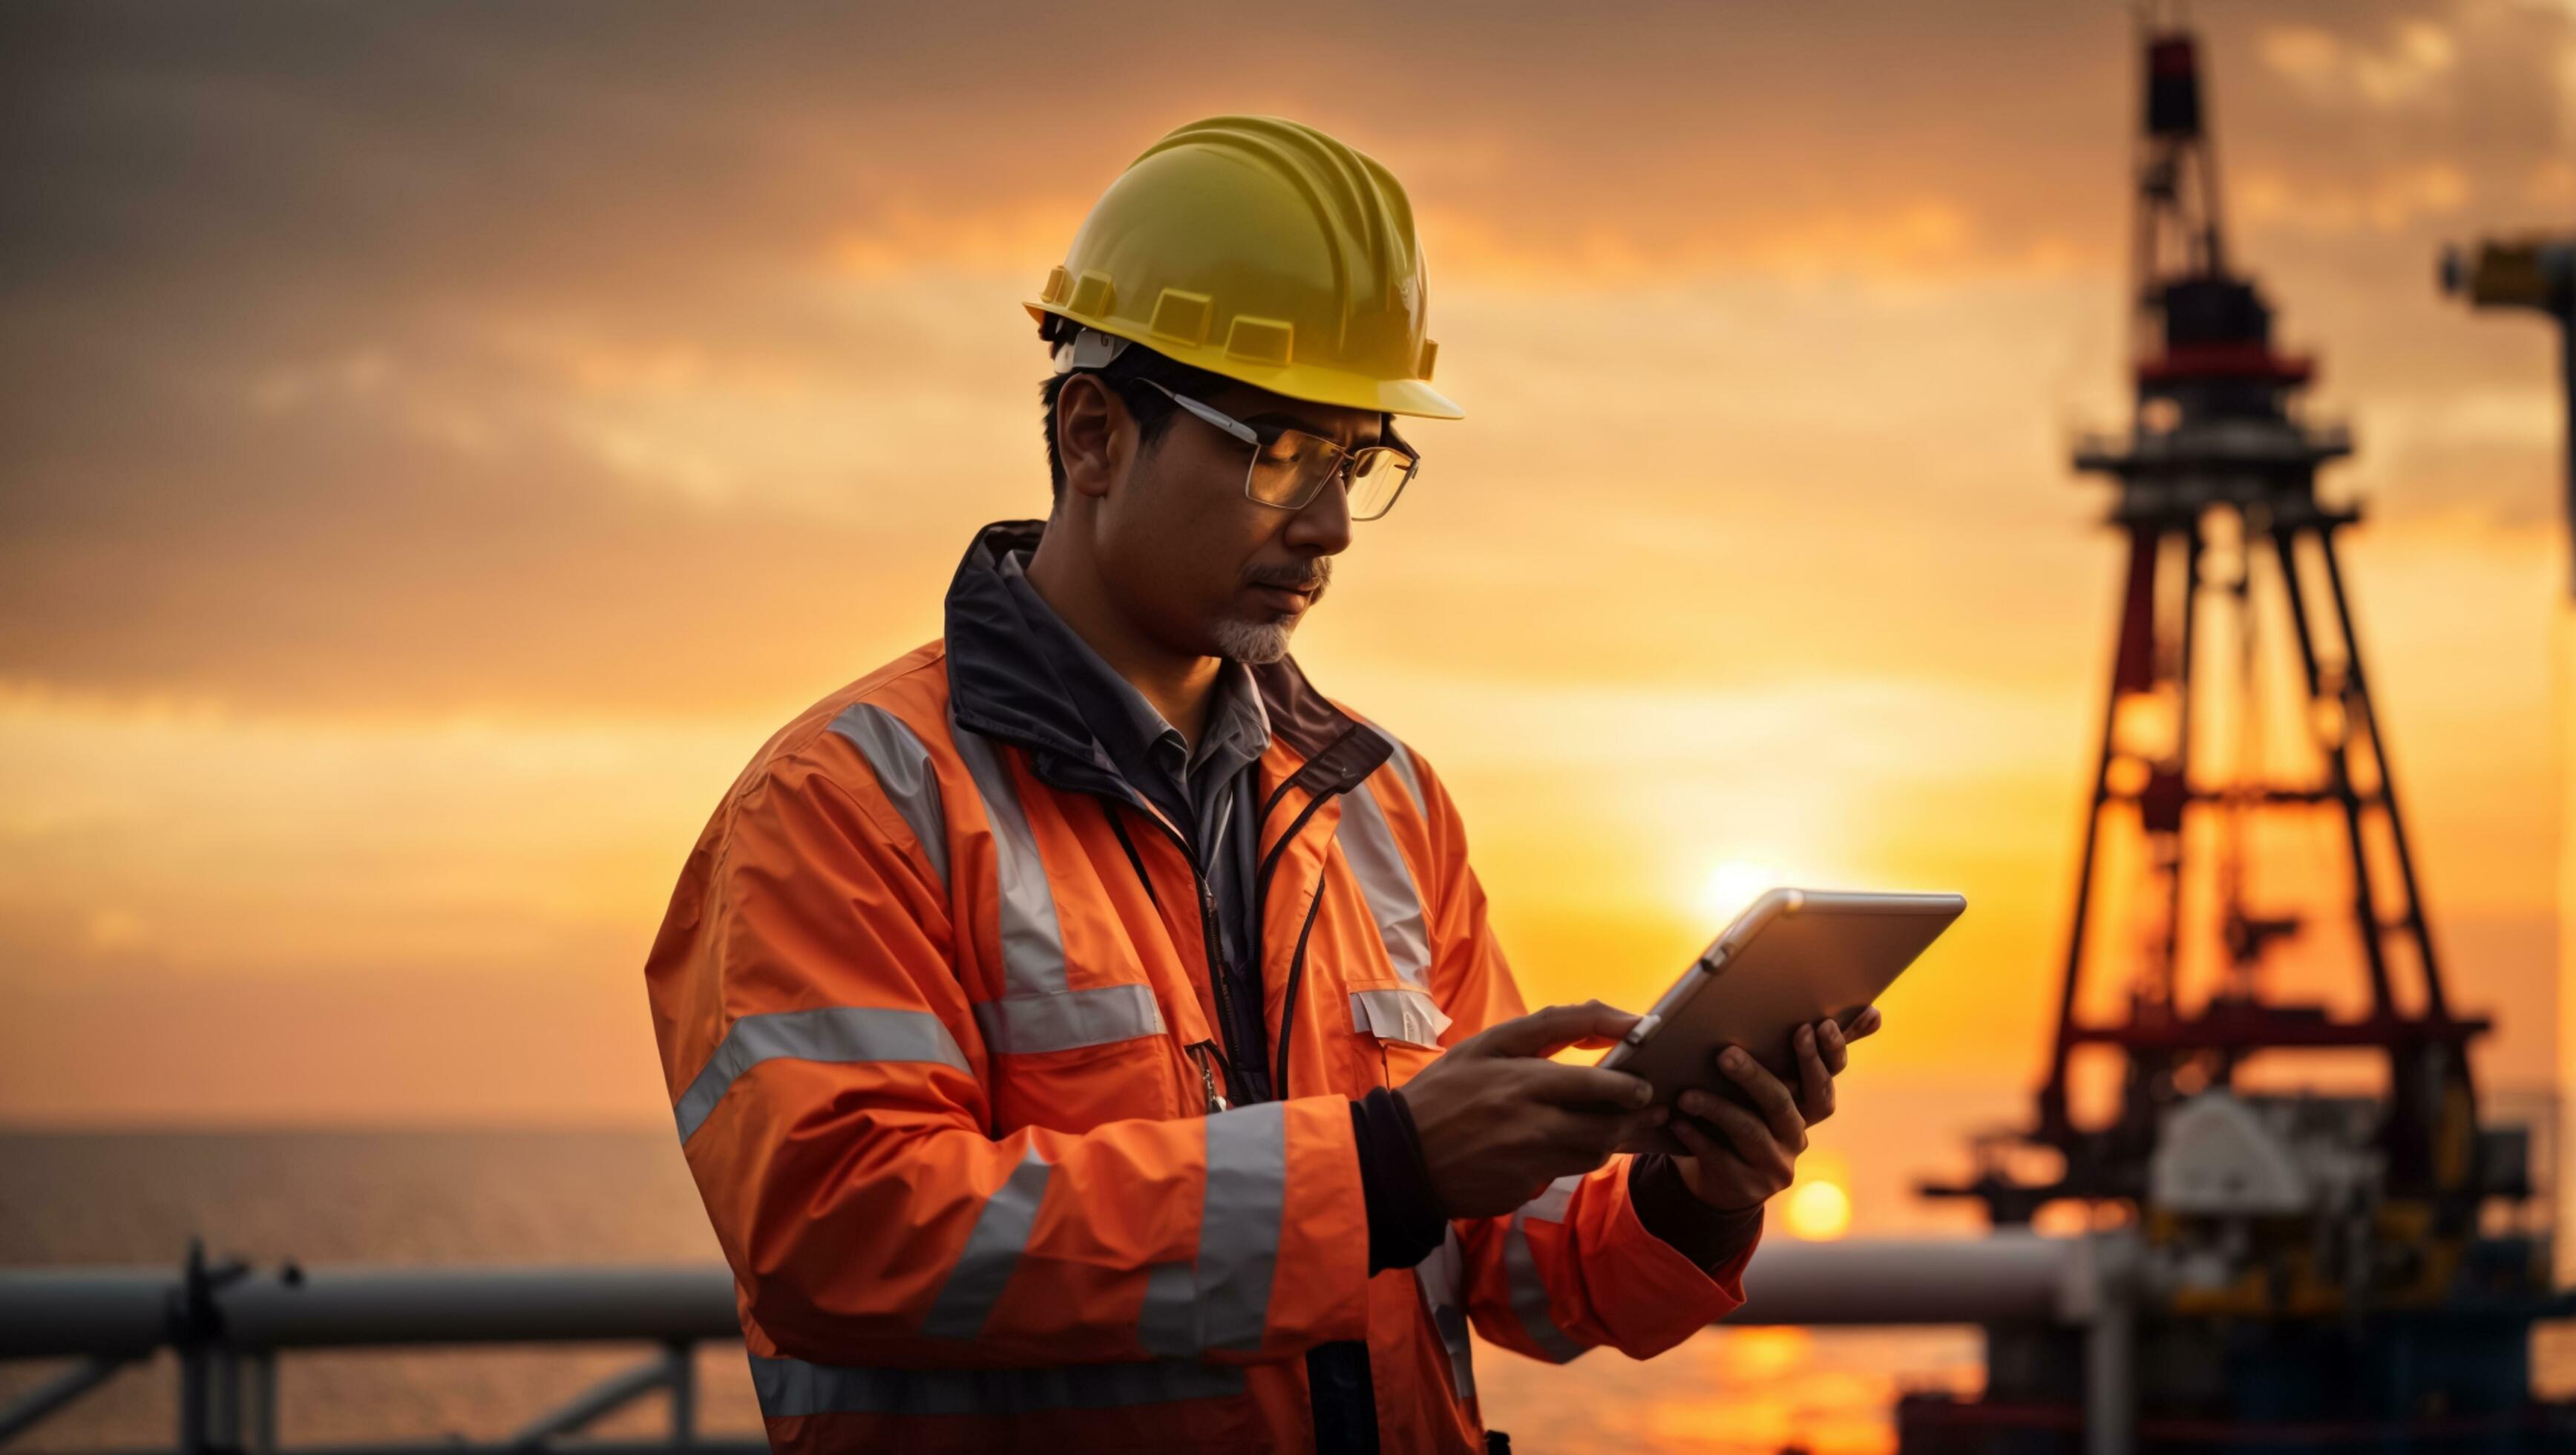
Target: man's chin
(1255,643)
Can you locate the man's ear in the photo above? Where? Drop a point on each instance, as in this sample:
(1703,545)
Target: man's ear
(1094,435)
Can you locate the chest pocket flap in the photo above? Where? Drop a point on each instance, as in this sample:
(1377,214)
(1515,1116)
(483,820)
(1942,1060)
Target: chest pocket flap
(1398,1013)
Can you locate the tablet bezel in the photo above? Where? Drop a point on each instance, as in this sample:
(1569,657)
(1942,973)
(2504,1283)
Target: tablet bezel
(1859,982)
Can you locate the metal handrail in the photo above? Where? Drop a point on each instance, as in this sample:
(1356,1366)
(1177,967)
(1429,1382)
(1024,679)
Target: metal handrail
(229,1324)
(129,1312)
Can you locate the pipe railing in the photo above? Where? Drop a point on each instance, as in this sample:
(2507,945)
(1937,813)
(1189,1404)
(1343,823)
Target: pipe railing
(229,1323)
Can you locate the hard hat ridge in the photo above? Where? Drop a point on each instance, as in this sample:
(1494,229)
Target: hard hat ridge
(1373,250)
(1265,251)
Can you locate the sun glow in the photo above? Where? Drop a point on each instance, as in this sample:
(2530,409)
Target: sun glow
(1817,1208)
(1735,884)
(1818,1211)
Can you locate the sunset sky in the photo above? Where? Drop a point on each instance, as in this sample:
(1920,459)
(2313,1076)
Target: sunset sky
(441,443)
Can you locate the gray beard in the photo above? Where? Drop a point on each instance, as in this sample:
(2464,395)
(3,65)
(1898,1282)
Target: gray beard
(1259,643)
(1252,642)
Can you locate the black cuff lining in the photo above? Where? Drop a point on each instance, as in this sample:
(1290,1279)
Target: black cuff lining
(1667,1207)
(1405,1219)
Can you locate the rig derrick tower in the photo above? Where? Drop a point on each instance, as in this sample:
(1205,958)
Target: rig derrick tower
(2338,1271)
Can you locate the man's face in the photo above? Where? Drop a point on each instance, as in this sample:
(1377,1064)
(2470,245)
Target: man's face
(1202,567)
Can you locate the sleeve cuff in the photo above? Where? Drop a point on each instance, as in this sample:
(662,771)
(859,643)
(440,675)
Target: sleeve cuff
(1667,1208)
(1405,1219)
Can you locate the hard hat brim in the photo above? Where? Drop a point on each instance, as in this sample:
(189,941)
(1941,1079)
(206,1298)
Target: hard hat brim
(1311,383)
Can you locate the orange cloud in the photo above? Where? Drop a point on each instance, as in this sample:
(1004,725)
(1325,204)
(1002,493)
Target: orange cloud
(419,508)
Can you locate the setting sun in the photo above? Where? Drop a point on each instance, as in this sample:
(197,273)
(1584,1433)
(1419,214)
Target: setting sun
(1735,884)
(1819,1211)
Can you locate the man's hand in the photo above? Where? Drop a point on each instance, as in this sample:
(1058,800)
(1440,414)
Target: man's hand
(1755,1154)
(1499,1121)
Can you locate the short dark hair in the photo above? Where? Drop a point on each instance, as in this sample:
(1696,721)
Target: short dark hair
(1125,376)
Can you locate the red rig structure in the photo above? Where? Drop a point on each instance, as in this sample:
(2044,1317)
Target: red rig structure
(2324,1273)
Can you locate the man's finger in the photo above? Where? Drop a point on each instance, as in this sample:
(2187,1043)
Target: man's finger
(1745,1133)
(1603,1135)
(1815,1080)
(1581,1086)
(1546,1032)
(1777,1106)
(1831,1046)
(1865,1024)
(1579,1141)
(1695,1138)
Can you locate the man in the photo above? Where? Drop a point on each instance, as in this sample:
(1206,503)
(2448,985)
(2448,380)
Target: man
(1086,1034)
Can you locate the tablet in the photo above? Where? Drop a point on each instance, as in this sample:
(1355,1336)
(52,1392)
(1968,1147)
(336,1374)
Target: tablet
(1795,957)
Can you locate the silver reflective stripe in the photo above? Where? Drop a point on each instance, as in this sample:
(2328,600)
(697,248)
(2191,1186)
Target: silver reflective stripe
(789,1388)
(1443,1275)
(1368,846)
(1223,1300)
(992,1250)
(1247,1198)
(902,766)
(1520,1266)
(1069,1018)
(1039,1011)
(1451,1321)
(1399,1015)
(1442,1279)
(839,1033)
(1168,1324)
(1032,943)
(1402,762)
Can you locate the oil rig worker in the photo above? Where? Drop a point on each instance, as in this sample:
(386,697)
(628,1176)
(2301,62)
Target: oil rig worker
(1085,1034)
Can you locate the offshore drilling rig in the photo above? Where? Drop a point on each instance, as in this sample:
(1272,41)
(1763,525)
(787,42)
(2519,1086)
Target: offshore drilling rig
(2320,1272)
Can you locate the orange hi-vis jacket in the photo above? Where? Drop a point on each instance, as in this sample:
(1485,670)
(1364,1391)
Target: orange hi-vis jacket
(936,1035)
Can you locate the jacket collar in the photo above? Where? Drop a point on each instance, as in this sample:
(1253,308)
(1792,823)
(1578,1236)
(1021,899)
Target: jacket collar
(1003,683)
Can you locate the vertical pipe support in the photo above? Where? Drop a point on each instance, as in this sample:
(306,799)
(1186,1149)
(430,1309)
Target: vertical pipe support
(223,1397)
(2101,1293)
(192,1399)
(683,1358)
(259,1382)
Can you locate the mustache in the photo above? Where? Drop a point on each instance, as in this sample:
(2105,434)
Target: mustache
(1308,576)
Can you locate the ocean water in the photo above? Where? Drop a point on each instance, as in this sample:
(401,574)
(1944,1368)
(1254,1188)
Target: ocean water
(431,1198)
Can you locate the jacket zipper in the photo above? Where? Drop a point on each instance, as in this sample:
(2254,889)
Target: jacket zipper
(1219,972)
(1212,945)
(1213,953)
(1216,1101)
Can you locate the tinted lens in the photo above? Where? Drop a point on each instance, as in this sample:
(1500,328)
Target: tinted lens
(1377,477)
(1287,470)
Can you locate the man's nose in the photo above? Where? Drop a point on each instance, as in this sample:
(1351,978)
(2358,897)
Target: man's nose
(1323,525)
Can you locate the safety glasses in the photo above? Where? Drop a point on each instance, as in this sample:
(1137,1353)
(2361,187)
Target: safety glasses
(1289,466)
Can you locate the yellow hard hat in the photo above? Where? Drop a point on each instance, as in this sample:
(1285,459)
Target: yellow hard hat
(1264,251)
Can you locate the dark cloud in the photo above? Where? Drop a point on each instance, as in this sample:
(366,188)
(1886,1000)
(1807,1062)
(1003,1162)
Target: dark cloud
(327,555)
(273,428)
(580,147)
